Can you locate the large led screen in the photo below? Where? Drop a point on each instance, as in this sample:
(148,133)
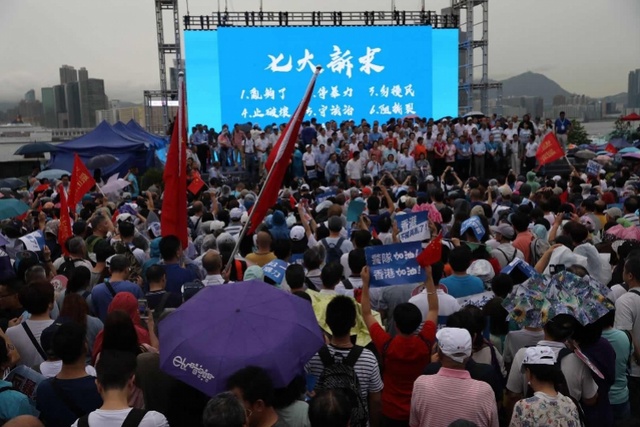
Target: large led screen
(259,74)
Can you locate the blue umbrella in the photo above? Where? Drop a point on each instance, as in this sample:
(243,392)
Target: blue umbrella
(12,183)
(619,143)
(35,148)
(629,150)
(228,327)
(10,208)
(52,174)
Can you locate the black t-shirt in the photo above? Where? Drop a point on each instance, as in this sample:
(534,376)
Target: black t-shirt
(154,297)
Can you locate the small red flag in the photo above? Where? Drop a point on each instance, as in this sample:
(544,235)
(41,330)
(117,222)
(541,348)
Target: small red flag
(432,253)
(549,150)
(196,185)
(292,202)
(81,182)
(610,148)
(64,230)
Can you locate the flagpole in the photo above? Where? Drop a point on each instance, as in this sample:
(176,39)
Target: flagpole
(286,138)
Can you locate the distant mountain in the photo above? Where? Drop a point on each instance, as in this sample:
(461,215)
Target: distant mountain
(532,84)
(621,97)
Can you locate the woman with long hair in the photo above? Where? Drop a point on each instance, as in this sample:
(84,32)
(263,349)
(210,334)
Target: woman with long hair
(75,308)
(547,406)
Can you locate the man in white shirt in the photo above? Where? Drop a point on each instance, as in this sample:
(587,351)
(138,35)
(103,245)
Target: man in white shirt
(510,131)
(309,160)
(354,167)
(37,300)
(212,264)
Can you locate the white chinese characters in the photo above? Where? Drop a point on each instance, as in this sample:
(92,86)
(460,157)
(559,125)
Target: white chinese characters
(339,61)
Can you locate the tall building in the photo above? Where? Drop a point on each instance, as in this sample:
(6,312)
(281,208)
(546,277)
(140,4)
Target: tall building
(83,74)
(633,90)
(68,74)
(72,99)
(49,108)
(60,101)
(92,99)
(30,96)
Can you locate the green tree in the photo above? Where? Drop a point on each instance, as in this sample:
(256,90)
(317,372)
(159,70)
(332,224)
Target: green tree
(578,135)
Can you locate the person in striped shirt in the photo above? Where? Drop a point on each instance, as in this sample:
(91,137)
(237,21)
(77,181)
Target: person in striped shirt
(341,317)
(451,394)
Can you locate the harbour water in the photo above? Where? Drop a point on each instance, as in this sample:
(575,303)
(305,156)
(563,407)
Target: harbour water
(599,129)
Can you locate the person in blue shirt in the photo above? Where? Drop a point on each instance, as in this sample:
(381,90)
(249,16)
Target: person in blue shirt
(493,156)
(12,402)
(460,284)
(463,156)
(171,253)
(72,393)
(296,164)
(133,182)
(479,150)
(103,293)
(562,127)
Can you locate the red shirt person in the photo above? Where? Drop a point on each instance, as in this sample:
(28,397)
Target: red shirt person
(404,356)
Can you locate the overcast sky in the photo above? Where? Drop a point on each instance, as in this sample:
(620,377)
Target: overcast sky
(586,46)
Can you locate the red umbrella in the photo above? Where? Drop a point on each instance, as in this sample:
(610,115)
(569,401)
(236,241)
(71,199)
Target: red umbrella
(633,117)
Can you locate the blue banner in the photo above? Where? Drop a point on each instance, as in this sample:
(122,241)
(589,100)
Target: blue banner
(275,270)
(362,77)
(475,225)
(395,264)
(413,227)
(593,168)
(324,196)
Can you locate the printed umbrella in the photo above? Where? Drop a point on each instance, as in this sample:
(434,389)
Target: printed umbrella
(12,183)
(585,154)
(10,208)
(52,174)
(225,328)
(101,161)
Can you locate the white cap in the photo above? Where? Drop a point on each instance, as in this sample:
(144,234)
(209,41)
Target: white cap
(216,225)
(556,178)
(297,233)
(430,178)
(235,214)
(244,218)
(539,355)
(455,343)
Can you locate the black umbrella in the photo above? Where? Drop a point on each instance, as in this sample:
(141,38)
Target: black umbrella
(33,148)
(101,161)
(12,183)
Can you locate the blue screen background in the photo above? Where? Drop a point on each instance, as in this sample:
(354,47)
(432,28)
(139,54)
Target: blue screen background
(231,77)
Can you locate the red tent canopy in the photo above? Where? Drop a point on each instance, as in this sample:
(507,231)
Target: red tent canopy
(633,117)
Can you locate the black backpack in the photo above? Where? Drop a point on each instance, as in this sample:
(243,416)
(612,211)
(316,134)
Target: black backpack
(333,250)
(343,377)
(67,267)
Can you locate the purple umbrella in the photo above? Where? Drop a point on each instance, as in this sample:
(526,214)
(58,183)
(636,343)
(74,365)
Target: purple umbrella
(631,155)
(225,328)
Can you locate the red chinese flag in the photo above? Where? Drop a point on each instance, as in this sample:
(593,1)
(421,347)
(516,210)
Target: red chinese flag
(279,158)
(196,185)
(174,202)
(81,182)
(549,150)
(432,253)
(610,148)
(64,231)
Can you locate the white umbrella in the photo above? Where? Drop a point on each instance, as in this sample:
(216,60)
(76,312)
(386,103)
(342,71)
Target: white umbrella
(478,114)
(112,187)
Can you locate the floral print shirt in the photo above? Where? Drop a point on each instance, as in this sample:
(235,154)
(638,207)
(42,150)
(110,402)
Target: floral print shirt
(545,410)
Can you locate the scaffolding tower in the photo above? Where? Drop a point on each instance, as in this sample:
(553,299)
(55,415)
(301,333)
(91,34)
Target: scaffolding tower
(470,86)
(167,49)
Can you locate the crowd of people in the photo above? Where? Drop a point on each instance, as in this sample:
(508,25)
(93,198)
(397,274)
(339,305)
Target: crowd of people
(332,153)
(80,323)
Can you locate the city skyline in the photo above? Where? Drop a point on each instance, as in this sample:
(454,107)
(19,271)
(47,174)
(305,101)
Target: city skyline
(579,54)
